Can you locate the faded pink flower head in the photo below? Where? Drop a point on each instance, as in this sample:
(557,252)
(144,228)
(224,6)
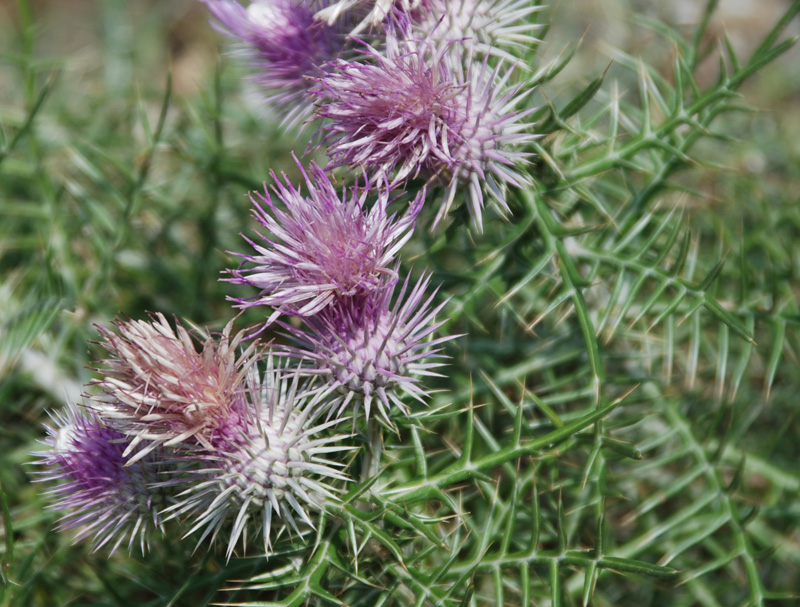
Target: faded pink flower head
(323,246)
(158,388)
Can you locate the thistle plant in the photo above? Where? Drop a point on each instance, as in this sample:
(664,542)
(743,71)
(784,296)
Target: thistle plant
(610,230)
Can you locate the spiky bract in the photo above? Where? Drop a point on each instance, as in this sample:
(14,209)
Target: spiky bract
(271,468)
(107,498)
(371,352)
(157,388)
(414,111)
(323,247)
(285,44)
(370,12)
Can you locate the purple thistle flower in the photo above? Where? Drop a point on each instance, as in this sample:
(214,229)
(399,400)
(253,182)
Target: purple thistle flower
(322,247)
(269,468)
(108,497)
(490,27)
(286,46)
(157,388)
(416,112)
(371,352)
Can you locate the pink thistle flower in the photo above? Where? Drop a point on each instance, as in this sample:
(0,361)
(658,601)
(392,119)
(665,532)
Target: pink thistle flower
(108,498)
(415,112)
(269,469)
(322,247)
(157,388)
(370,352)
(285,45)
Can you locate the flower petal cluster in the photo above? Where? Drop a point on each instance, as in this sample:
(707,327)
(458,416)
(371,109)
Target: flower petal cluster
(323,246)
(159,389)
(413,111)
(270,467)
(285,44)
(370,351)
(106,497)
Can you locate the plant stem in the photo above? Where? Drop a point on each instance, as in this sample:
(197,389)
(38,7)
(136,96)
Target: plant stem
(372,459)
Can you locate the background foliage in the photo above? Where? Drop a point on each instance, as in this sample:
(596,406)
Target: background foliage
(618,427)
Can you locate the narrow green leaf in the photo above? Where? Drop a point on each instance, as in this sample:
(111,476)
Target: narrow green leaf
(776,353)
(711,276)
(34,111)
(589,583)
(575,104)
(632,566)
(713,306)
(533,542)
(561,527)
(700,32)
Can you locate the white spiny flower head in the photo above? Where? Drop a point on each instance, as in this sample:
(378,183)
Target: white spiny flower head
(487,157)
(488,27)
(269,473)
(371,352)
(324,246)
(107,498)
(158,388)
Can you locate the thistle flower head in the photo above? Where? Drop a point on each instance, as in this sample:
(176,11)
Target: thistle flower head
(414,111)
(107,498)
(322,246)
(271,470)
(285,44)
(370,352)
(488,27)
(157,388)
